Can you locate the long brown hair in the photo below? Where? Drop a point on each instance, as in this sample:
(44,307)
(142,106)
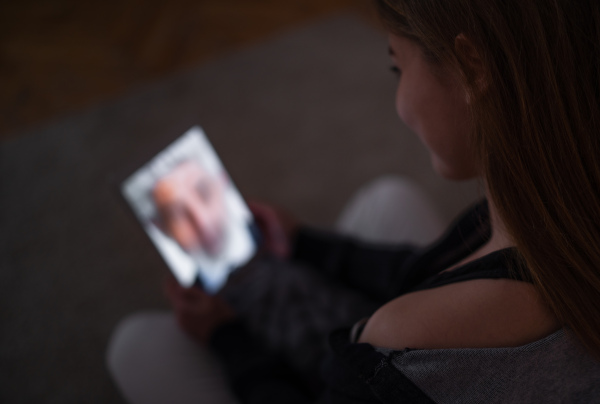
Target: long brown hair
(536,129)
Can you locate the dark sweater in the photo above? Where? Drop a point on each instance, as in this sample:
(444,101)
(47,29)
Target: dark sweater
(354,372)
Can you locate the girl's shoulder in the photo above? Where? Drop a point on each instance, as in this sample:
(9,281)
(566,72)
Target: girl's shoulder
(479,313)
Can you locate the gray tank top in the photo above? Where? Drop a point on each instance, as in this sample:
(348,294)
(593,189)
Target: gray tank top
(555,369)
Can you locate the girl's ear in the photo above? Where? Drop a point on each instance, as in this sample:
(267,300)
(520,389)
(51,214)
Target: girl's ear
(474,68)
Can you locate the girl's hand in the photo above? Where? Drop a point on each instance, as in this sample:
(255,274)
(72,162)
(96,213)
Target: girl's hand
(197,313)
(277,227)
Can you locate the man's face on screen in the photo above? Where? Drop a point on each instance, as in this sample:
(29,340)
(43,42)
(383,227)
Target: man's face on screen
(191,205)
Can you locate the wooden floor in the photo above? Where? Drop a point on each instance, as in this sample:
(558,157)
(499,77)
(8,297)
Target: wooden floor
(60,56)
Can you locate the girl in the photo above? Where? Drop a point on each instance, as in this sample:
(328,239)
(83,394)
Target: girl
(505,306)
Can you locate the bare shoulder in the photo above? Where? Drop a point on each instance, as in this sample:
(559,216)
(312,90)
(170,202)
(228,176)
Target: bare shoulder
(473,314)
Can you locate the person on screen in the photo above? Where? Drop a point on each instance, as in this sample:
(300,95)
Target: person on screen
(199,226)
(191,208)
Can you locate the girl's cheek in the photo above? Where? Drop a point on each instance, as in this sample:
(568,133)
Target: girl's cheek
(403,109)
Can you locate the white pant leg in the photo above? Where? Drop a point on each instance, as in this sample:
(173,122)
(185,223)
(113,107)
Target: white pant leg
(153,362)
(391,210)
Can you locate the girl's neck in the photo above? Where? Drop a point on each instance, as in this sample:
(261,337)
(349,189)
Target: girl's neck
(500,238)
(498,241)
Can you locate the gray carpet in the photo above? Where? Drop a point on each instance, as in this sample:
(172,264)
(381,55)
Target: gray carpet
(302,121)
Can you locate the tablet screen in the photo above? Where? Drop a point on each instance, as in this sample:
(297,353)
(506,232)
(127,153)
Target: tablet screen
(192,212)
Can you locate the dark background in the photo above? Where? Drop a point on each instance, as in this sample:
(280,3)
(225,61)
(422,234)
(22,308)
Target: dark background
(59,56)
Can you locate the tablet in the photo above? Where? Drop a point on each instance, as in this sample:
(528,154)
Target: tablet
(192,212)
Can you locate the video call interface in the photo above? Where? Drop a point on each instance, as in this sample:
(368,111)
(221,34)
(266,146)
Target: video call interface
(192,212)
